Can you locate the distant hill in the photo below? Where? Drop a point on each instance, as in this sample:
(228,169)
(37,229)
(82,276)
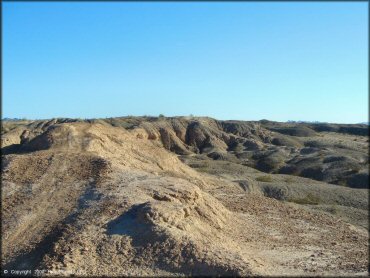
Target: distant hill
(309,122)
(13,119)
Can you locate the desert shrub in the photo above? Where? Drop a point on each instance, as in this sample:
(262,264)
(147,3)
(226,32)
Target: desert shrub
(333,209)
(264,178)
(277,193)
(216,155)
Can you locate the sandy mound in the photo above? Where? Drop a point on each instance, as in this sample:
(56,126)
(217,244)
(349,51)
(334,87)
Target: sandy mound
(163,227)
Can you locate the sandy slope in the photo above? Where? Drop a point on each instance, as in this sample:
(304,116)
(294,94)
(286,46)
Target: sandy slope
(104,200)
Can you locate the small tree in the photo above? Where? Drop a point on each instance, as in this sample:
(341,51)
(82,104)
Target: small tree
(161,116)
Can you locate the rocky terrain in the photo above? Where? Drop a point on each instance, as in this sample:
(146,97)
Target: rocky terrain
(159,196)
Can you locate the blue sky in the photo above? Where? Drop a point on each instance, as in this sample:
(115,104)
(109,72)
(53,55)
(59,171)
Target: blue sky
(243,60)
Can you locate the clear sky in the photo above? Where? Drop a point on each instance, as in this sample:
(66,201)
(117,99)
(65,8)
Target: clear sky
(243,60)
